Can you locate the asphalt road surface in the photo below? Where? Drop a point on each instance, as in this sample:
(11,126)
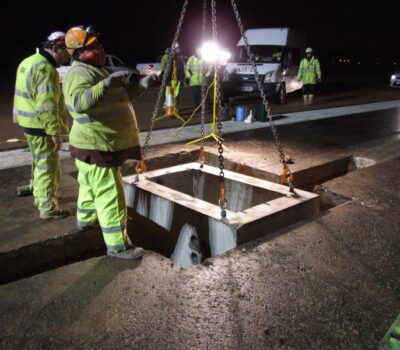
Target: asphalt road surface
(337,90)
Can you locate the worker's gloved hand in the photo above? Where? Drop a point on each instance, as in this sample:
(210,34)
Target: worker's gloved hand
(57,142)
(116,80)
(147,80)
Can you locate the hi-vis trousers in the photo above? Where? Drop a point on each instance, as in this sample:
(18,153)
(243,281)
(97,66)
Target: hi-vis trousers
(45,172)
(101,198)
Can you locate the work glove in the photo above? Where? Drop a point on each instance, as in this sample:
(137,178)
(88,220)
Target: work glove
(147,80)
(116,80)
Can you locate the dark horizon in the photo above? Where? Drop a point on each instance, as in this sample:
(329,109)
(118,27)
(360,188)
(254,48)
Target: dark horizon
(140,31)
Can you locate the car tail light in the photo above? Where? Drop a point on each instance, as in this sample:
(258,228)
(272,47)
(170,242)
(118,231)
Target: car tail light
(150,66)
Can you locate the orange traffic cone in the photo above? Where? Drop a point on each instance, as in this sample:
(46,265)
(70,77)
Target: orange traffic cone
(170,102)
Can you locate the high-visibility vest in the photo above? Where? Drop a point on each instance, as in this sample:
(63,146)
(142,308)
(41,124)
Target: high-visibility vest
(103,120)
(38,101)
(194,71)
(164,61)
(309,71)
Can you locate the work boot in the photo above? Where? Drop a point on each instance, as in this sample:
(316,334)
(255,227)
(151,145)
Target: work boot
(131,253)
(54,214)
(305,98)
(310,99)
(23,191)
(81,225)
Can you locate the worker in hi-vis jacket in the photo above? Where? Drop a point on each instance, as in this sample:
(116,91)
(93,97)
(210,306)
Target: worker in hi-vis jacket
(310,74)
(40,111)
(103,136)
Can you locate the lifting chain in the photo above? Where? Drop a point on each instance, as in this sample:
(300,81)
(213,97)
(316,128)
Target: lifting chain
(286,177)
(203,92)
(160,95)
(222,199)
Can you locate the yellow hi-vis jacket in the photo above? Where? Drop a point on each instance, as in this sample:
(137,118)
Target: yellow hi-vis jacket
(38,102)
(309,71)
(103,120)
(195,71)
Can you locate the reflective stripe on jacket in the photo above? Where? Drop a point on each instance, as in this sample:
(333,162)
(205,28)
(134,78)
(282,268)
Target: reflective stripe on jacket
(309,71)
(103,120)
(38,101)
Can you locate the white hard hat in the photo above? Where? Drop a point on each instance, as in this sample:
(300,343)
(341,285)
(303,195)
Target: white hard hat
(309,50)
(55,36)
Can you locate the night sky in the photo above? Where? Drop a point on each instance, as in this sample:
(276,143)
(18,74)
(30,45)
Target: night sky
(139,30)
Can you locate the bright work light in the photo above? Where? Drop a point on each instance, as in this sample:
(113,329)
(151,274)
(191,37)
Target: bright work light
(211,53)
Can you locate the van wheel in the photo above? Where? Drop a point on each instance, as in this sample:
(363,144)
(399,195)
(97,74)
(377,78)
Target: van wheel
(281,94)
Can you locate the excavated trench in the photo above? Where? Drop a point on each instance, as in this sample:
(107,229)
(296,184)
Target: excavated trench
(195,231)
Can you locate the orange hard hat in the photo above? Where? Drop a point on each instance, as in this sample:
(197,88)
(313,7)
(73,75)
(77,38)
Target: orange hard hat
(78,37)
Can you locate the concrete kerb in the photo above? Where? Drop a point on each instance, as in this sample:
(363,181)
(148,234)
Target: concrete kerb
(50,253)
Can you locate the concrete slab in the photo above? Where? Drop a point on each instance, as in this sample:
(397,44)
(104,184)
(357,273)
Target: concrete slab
(181,196)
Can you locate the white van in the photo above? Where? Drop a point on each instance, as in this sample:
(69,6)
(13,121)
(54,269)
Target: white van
(277,53)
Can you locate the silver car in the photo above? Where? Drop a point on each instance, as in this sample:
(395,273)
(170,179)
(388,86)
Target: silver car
(395,80)
(113,64)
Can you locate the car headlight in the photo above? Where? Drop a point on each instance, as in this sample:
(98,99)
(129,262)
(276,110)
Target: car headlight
(268,77)
(393,77)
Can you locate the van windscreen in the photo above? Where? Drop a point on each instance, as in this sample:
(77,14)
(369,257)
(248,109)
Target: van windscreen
(262,53)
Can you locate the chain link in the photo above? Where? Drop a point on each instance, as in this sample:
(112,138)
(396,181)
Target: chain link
(203,91)
(222,198)
(259,84)
(164,80)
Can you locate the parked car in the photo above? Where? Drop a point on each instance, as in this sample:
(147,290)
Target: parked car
(148,68)
(277,53)
(395,80)
(113,64)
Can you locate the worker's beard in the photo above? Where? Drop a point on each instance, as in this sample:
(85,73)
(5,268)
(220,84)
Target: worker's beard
(96,56)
